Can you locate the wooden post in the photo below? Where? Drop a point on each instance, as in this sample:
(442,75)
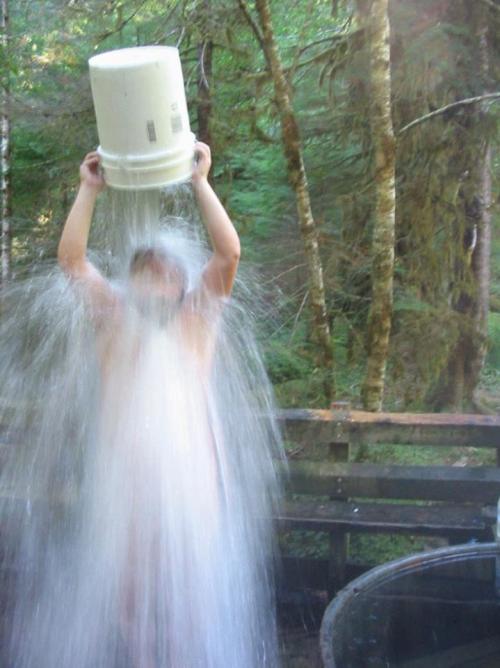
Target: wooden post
(338,540)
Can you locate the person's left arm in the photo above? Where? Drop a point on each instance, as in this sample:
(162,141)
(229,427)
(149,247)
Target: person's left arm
(220,271)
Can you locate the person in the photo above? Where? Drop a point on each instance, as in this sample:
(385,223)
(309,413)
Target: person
(159,297)
(155,274)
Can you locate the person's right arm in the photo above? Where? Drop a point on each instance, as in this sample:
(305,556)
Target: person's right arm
(72,249)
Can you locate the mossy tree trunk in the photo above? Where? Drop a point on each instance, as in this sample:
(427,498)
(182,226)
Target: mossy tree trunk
(5,185)
(205,60)
(374,15)
(298,180)
(458,384)
(481,211)
(481,272)
(204,108)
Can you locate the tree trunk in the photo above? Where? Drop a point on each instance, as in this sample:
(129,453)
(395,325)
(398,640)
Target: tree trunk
(376,20)
(482,250)
(298,180)
(5,244)
(205,60)
(458,383)
(204,108)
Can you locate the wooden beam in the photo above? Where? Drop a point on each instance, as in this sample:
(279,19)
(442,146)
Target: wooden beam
(437,519)
(437,483)
(316,427)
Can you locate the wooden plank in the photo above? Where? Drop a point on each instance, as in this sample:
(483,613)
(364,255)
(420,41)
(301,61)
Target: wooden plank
(360,427)
(338,541)
(437,483)
(437,519)
(337,561)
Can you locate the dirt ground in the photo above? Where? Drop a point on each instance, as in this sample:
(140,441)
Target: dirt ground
(300,649)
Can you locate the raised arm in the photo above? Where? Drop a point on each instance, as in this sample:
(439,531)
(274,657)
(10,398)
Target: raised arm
(220,271)
(72,249)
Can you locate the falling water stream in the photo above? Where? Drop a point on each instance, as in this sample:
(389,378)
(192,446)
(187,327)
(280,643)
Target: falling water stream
(137,477)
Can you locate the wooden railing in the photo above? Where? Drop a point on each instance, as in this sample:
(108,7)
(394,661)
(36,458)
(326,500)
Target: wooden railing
(329,490)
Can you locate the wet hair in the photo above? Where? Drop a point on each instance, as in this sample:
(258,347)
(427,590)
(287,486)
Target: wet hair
(159,261)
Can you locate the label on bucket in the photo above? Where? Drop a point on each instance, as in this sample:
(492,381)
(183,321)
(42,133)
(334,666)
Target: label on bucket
(151,131)
(176,122)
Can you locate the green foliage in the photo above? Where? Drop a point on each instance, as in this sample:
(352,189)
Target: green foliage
(493,358)
(375,550)
(261,193)
(284,363)
(304,544)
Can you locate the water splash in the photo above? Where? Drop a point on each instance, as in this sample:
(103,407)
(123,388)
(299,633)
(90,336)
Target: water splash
(138,474)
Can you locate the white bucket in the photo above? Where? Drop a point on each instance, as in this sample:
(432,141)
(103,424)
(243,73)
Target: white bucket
(142,117)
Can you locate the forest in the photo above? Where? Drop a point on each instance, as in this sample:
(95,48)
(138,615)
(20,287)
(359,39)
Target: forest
(355,148)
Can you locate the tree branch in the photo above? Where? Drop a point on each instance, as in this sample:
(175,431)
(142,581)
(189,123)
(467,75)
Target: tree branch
(103,36)
(180,38)
(203,75)
(250,20)
(323,55)
(492,4)
(443,110)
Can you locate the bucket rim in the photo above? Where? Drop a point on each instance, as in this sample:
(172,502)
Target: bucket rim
(148,186)
(136,160)
(109,60)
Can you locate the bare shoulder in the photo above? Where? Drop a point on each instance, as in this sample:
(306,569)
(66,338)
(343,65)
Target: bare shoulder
(201,306)
(106,306)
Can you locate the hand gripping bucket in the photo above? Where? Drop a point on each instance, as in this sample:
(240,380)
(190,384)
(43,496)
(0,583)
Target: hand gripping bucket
(142,117)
